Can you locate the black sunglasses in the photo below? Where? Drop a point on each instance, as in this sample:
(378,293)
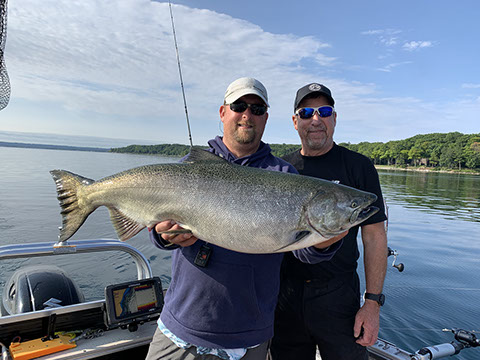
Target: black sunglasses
(241,106)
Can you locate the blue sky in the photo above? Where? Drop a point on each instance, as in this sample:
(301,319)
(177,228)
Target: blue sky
(108,68)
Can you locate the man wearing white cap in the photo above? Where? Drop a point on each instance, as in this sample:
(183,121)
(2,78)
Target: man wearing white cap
(220,303)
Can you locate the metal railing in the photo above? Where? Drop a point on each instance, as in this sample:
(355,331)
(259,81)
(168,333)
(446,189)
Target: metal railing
(29,250)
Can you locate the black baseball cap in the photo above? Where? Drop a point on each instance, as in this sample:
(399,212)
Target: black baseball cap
(310,89)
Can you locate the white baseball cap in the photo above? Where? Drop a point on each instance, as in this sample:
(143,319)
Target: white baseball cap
(245,86)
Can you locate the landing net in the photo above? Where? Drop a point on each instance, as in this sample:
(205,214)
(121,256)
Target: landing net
(4,81)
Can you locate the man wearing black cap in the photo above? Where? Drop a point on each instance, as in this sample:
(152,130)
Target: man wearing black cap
(319,304)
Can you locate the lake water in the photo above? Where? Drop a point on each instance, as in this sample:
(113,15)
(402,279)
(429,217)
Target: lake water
(434,224)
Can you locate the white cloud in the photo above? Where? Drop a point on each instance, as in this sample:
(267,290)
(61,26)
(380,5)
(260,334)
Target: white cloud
(109,69)
(389,41)
(386,37)
(396,118)
(391,37)
(117,59)
(381,32)
(372,32)
(389,67)
(324,60)
(471,86)
(414,45)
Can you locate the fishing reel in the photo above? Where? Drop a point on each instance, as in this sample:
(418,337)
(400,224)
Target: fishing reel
(463,339)
(400,267)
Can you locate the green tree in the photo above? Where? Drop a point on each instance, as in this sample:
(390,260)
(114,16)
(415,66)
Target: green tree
(447,158)
(471,152)
(414,154)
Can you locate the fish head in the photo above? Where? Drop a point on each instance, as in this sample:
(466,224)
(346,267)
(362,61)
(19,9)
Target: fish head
(333,211)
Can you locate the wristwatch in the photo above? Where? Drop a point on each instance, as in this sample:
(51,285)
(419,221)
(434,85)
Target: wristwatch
(379,298)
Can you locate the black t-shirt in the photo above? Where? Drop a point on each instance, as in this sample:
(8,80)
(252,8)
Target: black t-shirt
(345,167)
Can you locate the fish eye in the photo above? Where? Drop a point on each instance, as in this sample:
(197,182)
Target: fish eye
(353,204)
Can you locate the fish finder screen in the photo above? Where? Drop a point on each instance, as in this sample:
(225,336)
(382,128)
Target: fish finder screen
(134,299)
(139,300)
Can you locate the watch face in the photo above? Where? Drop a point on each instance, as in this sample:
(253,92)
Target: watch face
(381,299)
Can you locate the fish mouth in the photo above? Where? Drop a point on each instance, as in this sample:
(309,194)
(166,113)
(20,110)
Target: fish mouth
(361,215)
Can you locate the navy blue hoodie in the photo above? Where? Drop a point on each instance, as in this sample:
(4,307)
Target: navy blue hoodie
(231,302)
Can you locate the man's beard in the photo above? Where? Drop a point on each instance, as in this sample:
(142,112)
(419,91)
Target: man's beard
(317,143)
(245,136)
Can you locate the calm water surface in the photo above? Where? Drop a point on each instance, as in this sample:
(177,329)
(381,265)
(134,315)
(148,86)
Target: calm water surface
(434,224)
(29,212)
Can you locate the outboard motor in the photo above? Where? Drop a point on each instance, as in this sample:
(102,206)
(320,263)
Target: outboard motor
(39,287)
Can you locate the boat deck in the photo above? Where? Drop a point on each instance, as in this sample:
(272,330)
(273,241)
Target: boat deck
(113,344)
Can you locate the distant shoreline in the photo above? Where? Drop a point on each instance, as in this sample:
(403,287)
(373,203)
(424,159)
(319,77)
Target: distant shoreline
(51,147)
(426,170)
(98,149)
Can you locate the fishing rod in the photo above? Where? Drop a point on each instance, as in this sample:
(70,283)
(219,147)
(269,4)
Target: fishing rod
(181,77)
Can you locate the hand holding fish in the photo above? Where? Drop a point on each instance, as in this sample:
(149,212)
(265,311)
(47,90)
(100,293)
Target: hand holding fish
(183,240)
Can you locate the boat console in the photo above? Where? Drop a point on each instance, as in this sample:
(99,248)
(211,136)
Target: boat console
(45,316)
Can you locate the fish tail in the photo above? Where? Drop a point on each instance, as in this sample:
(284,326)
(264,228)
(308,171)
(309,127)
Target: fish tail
(74,212)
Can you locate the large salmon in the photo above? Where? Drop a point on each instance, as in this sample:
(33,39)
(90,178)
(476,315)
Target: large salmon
(237,207)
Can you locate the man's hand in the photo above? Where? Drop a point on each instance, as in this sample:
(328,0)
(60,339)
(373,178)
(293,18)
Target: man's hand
(331,241)
(368,318)
(178,239)
(375,260)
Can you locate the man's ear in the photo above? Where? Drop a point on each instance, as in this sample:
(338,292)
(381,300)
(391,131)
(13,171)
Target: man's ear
(295,122)
(221,111)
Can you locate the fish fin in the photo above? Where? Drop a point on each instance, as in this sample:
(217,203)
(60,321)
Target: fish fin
(179,231)
(74,212)
(301,234)
(198,155)
(125,227)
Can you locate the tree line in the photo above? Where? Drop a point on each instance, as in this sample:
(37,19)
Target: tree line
(450,151)
(439,150)
(161,149)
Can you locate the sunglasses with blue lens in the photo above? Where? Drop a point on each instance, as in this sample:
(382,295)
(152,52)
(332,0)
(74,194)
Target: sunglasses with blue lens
(241,106)
(308,112)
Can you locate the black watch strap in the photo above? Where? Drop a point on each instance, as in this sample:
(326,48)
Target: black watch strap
(379,298)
